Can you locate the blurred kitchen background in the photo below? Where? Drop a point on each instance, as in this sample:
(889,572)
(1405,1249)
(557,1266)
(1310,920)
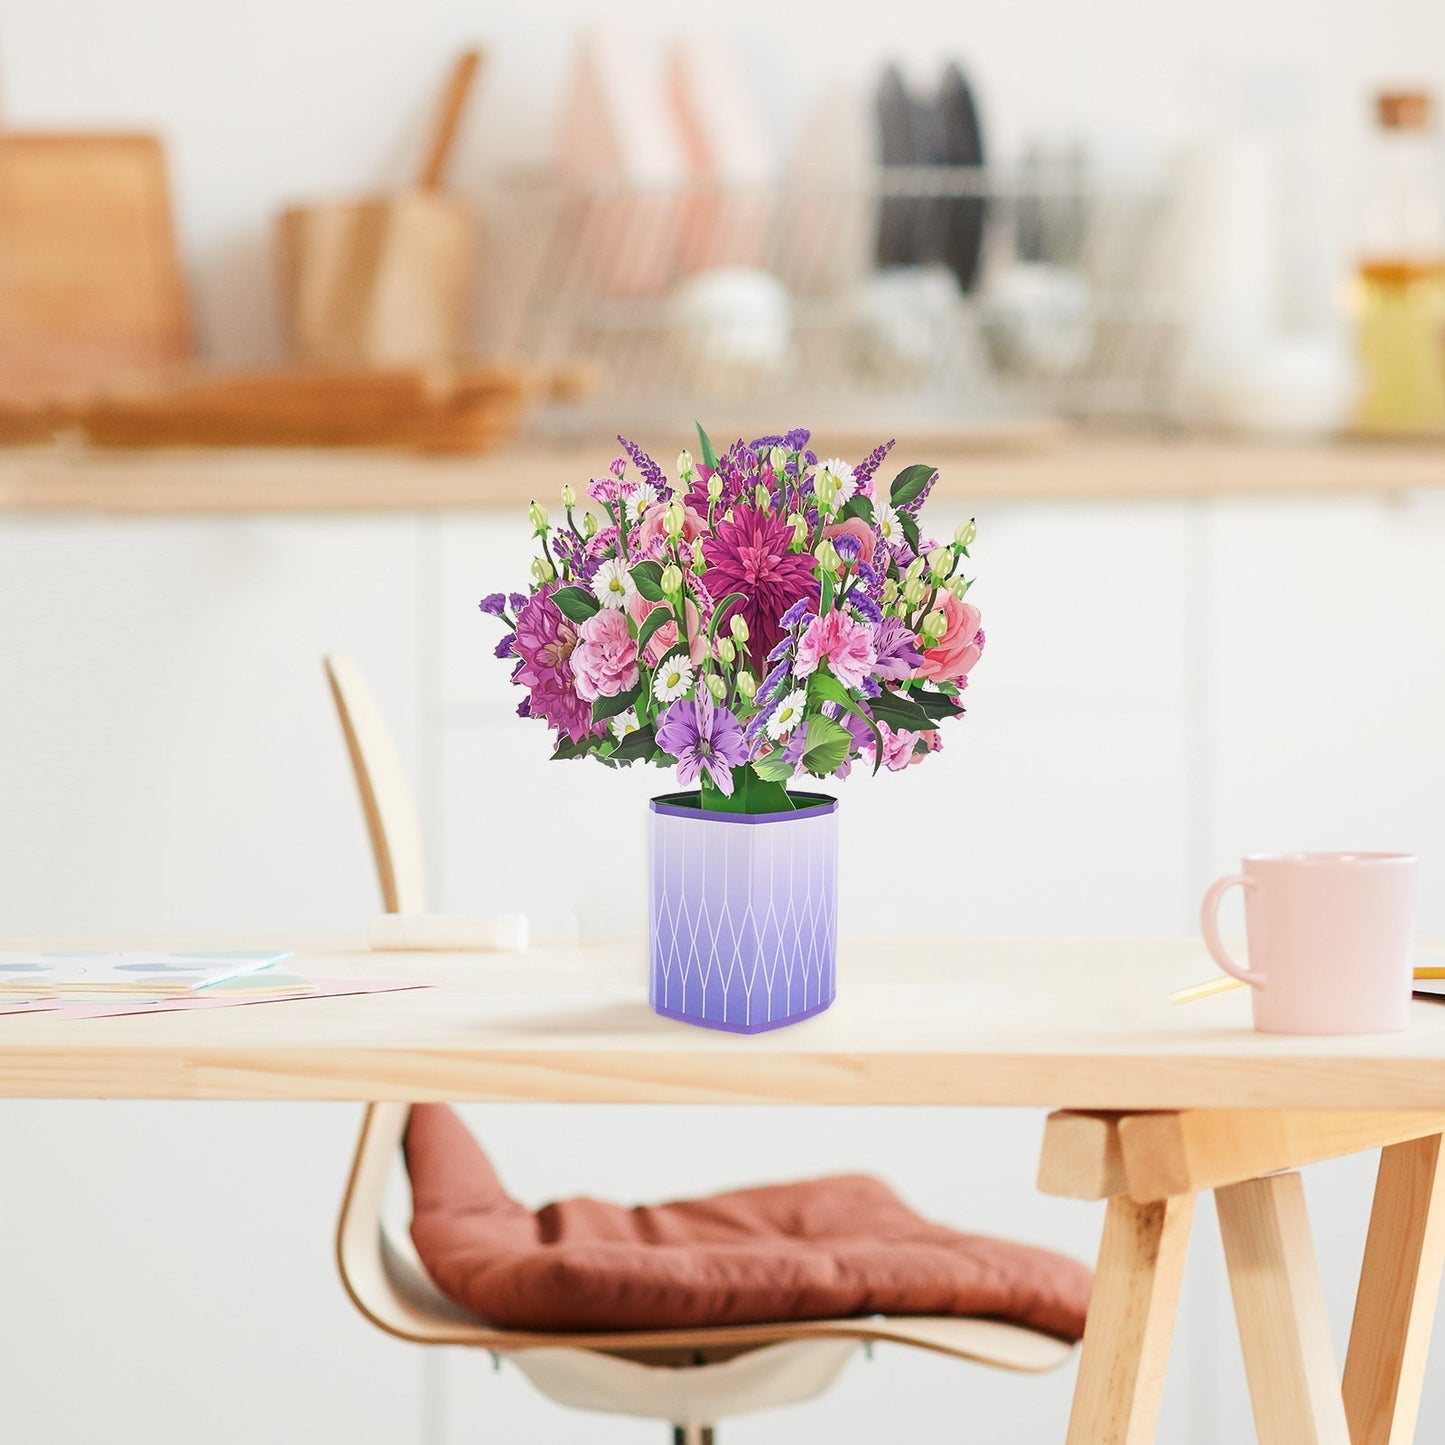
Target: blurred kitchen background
(299,308)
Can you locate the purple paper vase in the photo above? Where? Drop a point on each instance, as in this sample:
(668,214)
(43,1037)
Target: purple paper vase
(743,913)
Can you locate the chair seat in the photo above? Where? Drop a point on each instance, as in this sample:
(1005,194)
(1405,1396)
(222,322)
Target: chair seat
(826,1249)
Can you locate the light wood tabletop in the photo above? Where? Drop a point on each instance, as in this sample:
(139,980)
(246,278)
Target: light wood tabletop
(1058,466)
(1080,1024)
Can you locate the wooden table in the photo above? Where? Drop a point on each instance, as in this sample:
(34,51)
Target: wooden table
(1155,1103)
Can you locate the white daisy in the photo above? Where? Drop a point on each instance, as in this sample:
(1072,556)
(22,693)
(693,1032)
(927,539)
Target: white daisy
(625,723)
(673,678)
(788,715)
(889,525)
(613,585)
(843,477)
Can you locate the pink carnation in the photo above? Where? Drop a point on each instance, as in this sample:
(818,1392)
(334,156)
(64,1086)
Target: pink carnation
(952,657)
(845,645)
(604,661)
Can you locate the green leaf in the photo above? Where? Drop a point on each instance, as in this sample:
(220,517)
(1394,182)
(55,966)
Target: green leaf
(909,523)
(859,506)
(827,687)
(720,609)
(908,485)
(575,603)
(899,712)
(773,767)
(704,447)
(567,749)
(637,745)
(828,744)
(937,705)
(825,596)
(605,707)
(658,618)
(648,578)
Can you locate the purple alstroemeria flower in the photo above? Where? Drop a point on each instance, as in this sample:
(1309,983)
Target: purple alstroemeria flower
(493,604)
(703,737)
(847,546)
(507,647)
(898,654)
(518,601)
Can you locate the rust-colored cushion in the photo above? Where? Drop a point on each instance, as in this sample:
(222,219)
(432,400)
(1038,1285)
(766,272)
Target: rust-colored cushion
(821,1249)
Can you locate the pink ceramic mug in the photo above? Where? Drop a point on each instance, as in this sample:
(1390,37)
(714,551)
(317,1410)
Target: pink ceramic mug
(1331,940)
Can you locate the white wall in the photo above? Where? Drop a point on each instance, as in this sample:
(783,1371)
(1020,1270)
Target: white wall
(272,101)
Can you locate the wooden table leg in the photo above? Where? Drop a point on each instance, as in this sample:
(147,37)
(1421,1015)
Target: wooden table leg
(1280,1308)
(1398,1286)
(1131,1322)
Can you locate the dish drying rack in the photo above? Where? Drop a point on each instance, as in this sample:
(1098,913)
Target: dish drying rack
(1020,299)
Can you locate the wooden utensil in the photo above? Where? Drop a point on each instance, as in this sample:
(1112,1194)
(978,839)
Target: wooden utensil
(90,279)
(383,281)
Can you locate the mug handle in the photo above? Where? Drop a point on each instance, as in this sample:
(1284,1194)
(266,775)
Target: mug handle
(1209,919)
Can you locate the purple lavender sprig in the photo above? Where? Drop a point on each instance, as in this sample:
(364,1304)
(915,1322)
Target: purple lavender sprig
(651,472)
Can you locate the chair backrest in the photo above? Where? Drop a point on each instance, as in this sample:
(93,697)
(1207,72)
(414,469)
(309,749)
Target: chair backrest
(386,796)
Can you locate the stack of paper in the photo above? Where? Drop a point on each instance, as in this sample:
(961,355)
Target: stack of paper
(144,975)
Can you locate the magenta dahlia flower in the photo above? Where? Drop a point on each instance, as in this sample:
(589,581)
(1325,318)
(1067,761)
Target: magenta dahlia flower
(749,554)
(545,642)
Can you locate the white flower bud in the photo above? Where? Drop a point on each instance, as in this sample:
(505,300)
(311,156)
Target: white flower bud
(717,686)
(826,555)
(800,530)
(542,571)
(747,685)
(674,519)
(714,487)
(589,525)
(686,469)
(914,591)
(569,496)
(778,459)
(537,515)
(934,626)
(890,592)
(738,627)
(940,563)
(671,581)
(763,497)
(724,650)
(966,533)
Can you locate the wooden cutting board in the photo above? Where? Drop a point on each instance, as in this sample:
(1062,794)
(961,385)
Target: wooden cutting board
(90,279)
(384,281)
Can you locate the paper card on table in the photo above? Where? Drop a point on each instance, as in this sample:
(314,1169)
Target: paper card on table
(320,988)
(111,973)
(27,1006)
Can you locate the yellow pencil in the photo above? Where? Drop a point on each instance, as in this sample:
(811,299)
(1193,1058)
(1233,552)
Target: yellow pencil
(1224,983)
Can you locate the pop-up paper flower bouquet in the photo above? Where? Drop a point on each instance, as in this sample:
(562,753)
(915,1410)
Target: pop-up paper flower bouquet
(764,620)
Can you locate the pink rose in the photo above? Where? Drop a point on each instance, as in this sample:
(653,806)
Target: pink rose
(604,661)
(652,529)
(854,527)
(961,645)
(665,638)
(845,645)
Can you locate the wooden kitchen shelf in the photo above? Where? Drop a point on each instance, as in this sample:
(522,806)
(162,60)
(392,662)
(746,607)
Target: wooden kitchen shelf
(1060,467)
